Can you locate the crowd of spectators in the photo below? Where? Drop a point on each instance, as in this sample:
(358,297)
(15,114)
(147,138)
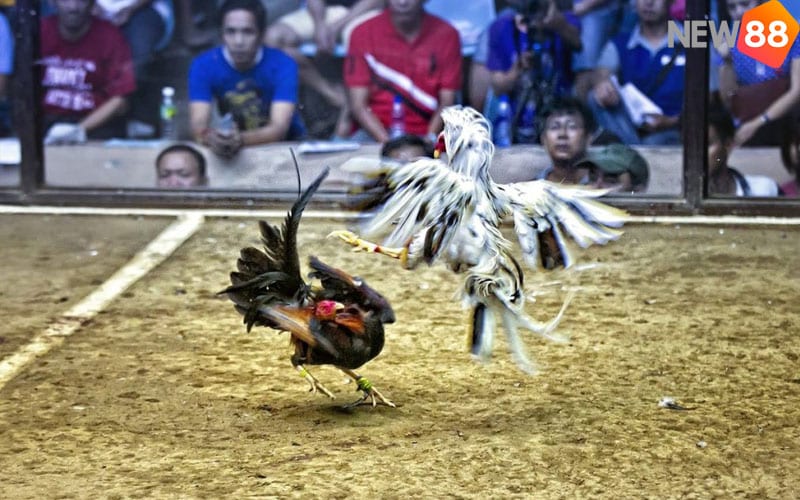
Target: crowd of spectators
(399,66)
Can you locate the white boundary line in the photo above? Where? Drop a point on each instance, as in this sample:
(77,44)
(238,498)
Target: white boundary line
(143,262)
(340,214)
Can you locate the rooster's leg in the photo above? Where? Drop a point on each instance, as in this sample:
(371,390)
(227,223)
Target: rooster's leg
(360,245)
(370,392)
(315,384)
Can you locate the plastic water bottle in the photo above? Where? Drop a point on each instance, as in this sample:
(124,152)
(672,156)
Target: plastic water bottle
(397,127)
(501,133)
(167,112)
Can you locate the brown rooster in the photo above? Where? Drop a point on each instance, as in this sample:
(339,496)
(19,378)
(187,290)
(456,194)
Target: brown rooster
(339,323)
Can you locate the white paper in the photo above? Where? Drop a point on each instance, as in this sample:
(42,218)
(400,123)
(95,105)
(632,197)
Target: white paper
(10,152)
(636,103)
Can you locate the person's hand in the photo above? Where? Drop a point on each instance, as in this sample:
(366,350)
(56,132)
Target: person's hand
(723,50)
(606,95)
(325,38)
(746,131)
(223,144)
(65,133)
(553,19)
(654,122)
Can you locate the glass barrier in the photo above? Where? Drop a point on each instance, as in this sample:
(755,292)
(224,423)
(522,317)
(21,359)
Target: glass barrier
(752,124)
(127,159)
(10,156)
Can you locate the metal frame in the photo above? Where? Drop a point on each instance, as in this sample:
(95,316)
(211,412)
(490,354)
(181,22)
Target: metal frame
(32,190)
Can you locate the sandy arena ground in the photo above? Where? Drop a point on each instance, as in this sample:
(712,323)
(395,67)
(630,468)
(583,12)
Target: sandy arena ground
(164,395)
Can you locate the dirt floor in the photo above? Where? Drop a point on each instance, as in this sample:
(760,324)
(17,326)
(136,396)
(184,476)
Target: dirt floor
(164,395)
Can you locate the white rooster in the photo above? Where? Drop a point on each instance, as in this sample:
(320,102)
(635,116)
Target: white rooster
(451,210)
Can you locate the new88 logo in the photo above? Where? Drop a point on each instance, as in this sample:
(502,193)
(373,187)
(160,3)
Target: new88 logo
(767,33)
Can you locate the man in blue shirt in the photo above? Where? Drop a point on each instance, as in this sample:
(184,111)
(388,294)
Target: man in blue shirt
(530,59)
(643,59)
(256,85)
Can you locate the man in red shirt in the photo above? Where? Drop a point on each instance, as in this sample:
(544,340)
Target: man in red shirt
(87,75)
(405,52)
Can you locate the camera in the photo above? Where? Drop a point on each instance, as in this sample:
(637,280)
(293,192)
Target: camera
(533,11)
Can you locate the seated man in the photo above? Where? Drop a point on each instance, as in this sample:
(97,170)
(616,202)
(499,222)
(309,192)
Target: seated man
(256,85)
(325,22)
(180,166)
(617,167)
(404,52)
(406,148)
(530,60)
(724,180)
(763,100)
(87,75)
(643,59)
(567,127)
(6,69)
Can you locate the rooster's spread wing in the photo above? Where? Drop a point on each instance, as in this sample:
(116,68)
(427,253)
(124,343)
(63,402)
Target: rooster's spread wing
(540,209)
(425,195)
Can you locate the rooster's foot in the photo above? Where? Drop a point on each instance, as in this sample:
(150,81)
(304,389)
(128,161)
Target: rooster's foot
(361,245)
(316,385)
(371,395)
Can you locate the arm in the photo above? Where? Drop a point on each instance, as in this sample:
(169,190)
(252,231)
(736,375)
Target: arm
(778,109)
(503,81)
(199,118)
(280,119)
(117,105)
(225,146)
(359,8)
(603,90)
(359,108)
(587,5)
(324,35)
(446,98)
(556,22)
(727,75)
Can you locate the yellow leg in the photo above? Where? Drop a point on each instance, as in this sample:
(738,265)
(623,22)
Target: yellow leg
(360,245)
(370,392)
(315,384)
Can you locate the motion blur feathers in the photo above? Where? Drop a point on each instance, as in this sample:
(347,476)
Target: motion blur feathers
(339,324)
(452,210)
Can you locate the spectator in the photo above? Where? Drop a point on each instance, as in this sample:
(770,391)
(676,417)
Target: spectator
(181,166)
(724,180)
(530,59)
(761,98)
(326,22)
(406,148)
(618,167)
(643,59)
(406,52)
(567,127)
(87,74)
(146,24)
(6,70)
(597,18)
(256,85)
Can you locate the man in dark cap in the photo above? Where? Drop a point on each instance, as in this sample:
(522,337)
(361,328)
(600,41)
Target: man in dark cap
(618,166)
